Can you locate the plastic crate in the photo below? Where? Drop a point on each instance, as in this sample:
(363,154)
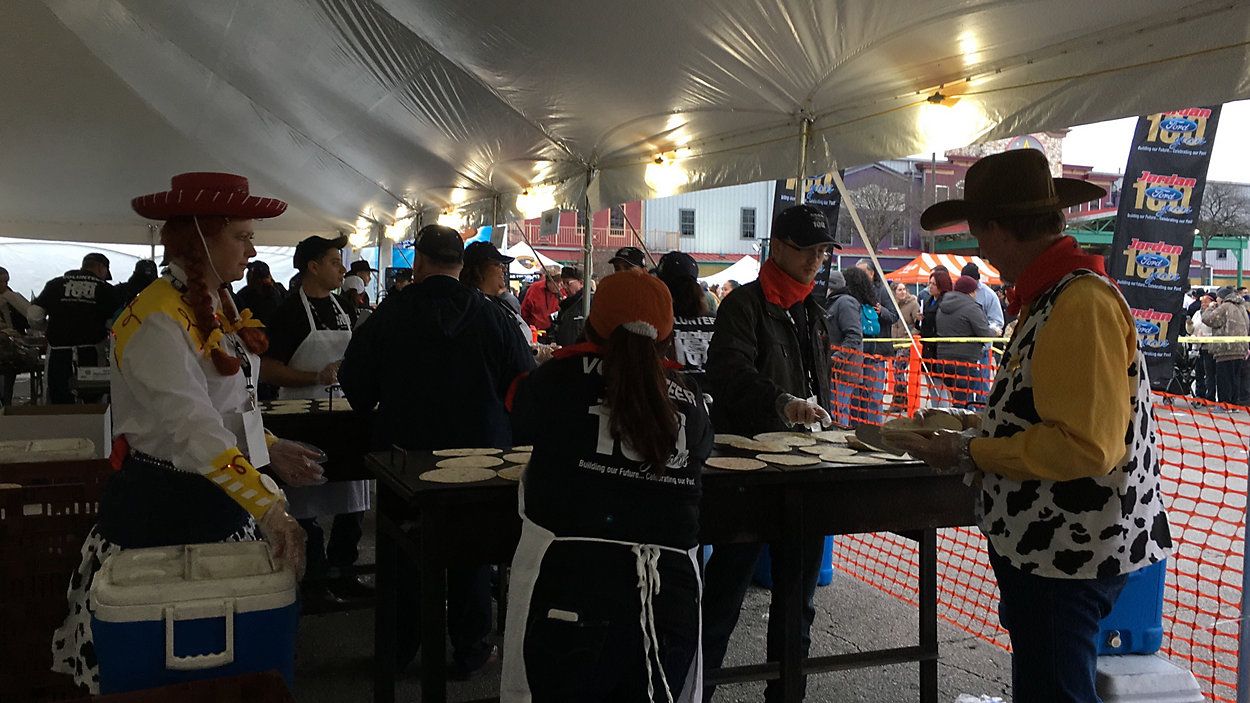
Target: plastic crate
(42,527)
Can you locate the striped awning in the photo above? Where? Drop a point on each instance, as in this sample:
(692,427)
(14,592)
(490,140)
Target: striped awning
(918,270)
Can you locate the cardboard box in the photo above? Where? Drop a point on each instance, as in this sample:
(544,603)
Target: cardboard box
(91,422)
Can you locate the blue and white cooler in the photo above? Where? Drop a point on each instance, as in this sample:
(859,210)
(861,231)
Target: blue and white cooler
(172,614)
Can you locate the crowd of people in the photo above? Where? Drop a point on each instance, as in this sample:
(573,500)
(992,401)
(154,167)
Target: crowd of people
(610,599)
(1221,373)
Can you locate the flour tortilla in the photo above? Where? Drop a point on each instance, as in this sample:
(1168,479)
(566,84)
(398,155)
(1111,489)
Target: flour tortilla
(789,459)
(464,474)
(821,450)
(793,439)
(853,442)
(299,408)
(835,436)
(858,459)
(517,458)
(526,448)
(754,446)
(467,452)
(470,462)
(511,473)
(730,463)
(730,439)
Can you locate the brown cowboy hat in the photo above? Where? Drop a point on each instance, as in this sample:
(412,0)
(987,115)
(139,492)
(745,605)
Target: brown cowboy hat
(1010,184)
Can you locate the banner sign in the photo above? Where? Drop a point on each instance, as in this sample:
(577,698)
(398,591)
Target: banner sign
(1160,203)
(822,193)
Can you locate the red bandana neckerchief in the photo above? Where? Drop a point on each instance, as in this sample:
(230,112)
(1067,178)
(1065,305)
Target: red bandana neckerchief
(780,289)
(1062,258)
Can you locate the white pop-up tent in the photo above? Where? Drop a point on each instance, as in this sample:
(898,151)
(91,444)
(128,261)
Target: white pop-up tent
(743,270)
(346,107)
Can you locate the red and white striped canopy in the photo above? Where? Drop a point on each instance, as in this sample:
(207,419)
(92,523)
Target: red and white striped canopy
(919,268)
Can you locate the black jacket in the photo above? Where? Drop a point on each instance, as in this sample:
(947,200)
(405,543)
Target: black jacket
(755,357)
(439,359)
(80,306)
(580,484)
(570,322)
(262,301)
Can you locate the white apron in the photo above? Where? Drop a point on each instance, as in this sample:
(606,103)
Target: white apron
(526,564)
(319,348)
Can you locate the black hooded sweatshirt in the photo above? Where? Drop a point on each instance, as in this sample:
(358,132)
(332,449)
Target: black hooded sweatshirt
(438,359)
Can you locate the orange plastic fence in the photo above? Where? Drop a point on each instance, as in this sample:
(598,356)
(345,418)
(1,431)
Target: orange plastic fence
(1204,466)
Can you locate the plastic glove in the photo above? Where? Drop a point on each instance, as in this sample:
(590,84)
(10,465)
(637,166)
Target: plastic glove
(804,412)
(285,536)
(329,375)
(940,450)
(295,465)
(542,352)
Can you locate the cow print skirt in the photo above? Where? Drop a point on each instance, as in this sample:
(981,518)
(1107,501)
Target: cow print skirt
(73,652)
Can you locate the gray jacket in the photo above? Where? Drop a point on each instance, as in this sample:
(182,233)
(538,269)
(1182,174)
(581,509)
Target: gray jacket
(845,327)
(1228,319)
(959,315)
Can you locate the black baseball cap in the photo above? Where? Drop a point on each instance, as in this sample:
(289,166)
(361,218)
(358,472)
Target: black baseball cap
(259,268)
(677,264)
(146,267)
(570,272)
(971,270)
(478,252)
(361,265)
(442,244)
(314,248)
(630,255)
(804,226)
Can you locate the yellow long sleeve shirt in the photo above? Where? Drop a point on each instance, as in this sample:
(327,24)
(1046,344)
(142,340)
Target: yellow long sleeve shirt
(1081,391)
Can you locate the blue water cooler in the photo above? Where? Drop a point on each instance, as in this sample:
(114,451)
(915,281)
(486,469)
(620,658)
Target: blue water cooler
(1135,624)
(169,615)
(764,573)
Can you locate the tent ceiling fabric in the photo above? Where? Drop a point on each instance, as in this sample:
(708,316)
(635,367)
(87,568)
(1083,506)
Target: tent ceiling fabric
(344,105)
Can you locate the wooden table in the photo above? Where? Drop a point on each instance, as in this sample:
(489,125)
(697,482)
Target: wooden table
(442,525)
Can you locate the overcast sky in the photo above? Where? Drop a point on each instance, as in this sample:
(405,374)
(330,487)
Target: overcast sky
(1105,145)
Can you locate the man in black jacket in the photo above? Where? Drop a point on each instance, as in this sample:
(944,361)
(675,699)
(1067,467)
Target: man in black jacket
(768,370)
(465,352)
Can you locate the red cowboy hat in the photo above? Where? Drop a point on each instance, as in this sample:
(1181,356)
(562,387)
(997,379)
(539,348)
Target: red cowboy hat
(207,194)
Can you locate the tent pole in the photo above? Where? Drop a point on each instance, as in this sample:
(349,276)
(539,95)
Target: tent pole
(494,214)
(800,192)
(588,247)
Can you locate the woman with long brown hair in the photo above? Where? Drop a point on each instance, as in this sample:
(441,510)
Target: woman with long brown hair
(610,511)
(187,432)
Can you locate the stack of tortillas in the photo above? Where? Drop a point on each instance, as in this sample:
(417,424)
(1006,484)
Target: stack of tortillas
(934,421)
(470,462)
(460,474)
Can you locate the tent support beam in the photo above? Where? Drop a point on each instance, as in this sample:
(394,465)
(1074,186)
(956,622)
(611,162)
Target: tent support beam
(588,247)
(805,134)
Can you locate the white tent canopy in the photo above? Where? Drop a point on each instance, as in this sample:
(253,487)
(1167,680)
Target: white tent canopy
(525,264)
(346,107)
(743,270)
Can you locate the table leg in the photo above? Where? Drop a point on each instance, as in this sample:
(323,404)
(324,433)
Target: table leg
(433,628)
(927,550)
(385,610)
(792,598)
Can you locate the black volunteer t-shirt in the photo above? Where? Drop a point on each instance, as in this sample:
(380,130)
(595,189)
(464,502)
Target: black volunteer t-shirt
(289,325)
(80,306)
(691,336)
(582,482)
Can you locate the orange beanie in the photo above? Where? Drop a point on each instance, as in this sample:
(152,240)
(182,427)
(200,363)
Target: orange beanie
(635,300)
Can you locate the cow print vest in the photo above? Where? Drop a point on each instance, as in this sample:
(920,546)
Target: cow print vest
(1084,528)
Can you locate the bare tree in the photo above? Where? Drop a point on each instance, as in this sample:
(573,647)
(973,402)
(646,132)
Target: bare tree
(1225,213)
(881,210)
